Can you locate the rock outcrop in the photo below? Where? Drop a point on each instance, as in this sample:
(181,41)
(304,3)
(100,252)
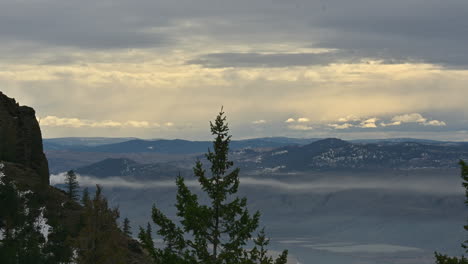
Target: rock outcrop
(21,139)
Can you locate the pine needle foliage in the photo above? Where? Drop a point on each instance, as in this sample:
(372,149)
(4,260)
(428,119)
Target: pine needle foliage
(71,185)
(219,231)
(126,228)
(98,240)
(464,176)
(444,259)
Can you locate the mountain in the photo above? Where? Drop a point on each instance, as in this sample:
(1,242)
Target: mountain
(325,154)
(338,154)
(398,140)
(126,168)
(175,146)
(79,143)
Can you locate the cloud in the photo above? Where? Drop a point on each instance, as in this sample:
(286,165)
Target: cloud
(139,124)
(435,123)
(349,118)
(413,118)
(65,122)
(223,60)
(299,120)
(361,248)
(325,59)
(369,123)
(54,121)
(410,118)
(432,186)
(341,126)
(300,127)
(396,123)
(259,122)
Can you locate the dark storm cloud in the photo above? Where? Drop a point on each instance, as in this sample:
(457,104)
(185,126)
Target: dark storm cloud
(83,24)
(432,31)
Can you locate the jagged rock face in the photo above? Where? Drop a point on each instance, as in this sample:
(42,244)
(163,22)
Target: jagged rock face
(21,138)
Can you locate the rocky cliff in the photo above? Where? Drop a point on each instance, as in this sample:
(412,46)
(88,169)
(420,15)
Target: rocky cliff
(41,222)
(21,139)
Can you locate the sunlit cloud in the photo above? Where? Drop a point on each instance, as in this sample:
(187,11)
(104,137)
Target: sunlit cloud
(331,75)
(410,118)
(341,126)
(435,123)
(413,118)
(348,118)
(303,120)
(369,123)
(139,124)
(54,121)
(300,127)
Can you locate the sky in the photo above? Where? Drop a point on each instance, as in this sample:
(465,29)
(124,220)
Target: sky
(298,68)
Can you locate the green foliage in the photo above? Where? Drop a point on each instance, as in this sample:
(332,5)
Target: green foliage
(126,227)
(71,185)
(98,240)
(213,233)
(22,241)
(59,246)
(444,259)
(85,197)
(464,176)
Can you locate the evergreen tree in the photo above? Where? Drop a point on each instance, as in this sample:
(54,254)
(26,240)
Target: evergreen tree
(85,196)
(21,241)
(464,176)
(98,240)
(444,259)
(59,247)
(216,233)
(126,227)
(71,185)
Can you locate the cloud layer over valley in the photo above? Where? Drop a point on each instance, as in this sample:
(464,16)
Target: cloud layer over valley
(336,184)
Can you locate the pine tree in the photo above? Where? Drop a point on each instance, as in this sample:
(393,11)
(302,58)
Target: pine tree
(444,259)
(216,233)
(85,197)
(71,185)
(126,227)
(464,176)
(22,241)
(98,240)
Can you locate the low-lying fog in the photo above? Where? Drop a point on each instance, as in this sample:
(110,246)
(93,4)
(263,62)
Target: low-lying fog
(328,217)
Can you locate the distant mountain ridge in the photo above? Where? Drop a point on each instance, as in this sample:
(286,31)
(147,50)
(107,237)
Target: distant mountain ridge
(334,153)
(181,146)
(325,154)
(127,168)
(174,146)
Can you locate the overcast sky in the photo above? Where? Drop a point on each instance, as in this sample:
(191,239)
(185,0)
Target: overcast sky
(300,68)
